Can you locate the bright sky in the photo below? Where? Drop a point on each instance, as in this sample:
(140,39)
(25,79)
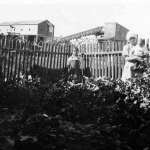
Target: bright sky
(71,16)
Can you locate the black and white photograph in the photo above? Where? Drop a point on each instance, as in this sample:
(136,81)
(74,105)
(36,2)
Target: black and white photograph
(74,75)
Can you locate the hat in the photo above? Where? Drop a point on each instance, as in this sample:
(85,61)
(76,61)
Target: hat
(131,35)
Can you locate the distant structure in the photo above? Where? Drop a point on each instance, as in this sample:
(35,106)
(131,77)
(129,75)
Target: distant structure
(41,30)
(110,31)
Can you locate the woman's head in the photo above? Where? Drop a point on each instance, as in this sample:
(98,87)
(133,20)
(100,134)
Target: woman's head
(132,38)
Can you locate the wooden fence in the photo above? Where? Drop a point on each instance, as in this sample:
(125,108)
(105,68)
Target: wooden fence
(101,59)
(104,59)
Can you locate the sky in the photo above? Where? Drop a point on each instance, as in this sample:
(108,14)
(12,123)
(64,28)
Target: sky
(72,16)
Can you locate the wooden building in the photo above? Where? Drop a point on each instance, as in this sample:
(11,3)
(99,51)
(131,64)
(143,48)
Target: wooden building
(110,31)
(40,30)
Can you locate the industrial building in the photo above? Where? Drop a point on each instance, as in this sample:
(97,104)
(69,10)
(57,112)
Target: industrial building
(40,30)
(110,31)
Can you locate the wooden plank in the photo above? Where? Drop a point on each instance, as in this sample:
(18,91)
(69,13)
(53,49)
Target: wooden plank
(24,60)
(16,66)
(38,57)
(82,57)
(11,65)
(58,57)
(42,55)
(31,57)
(116,65)
(98,59)
(108,58)
(105,56)
(103,66)
(65,61)
(86,58)
(91,60)
(8,64)
(112,66)
(119,66)
(48,55)
(27,61)
(67,52)
(46,60)
(103,60)
(95,59)
(61,56)
(54,56)
(122,64)
(20,63)
(5,63)
(34,55)
(64,48)
(51,55)
(45,55)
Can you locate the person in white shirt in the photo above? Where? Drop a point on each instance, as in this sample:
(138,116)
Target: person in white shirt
(127,53)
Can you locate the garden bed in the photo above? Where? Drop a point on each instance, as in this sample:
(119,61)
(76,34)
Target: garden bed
(62,117)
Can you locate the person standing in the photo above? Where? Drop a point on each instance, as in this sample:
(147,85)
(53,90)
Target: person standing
(74,66)
(128,53)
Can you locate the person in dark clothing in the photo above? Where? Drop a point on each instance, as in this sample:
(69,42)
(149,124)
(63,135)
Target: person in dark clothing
(74,66)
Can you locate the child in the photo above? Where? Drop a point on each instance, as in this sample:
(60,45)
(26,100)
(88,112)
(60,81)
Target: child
(74,64)
(140,50)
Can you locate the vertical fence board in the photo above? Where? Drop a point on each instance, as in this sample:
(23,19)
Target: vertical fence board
(9,63)
(16,65)
(51,57)
(48,55)
(54,56)
(20,63)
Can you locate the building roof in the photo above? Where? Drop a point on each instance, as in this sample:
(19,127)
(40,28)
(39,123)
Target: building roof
(110,31)
(32,22)
(97,30)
